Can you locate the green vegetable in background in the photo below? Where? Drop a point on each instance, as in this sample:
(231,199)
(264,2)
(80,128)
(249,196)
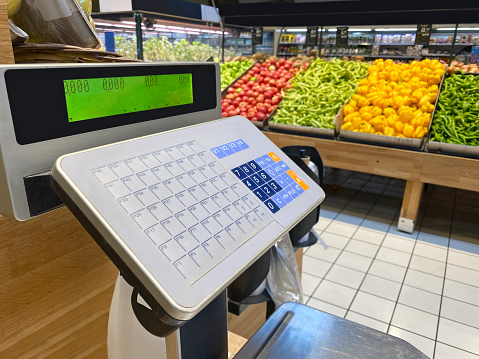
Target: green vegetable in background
(456,119)
(230,71)
(317,94)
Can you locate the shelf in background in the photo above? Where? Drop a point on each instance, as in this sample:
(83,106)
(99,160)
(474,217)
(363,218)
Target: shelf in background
(291,43)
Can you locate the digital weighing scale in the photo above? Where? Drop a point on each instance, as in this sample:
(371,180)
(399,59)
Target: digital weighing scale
(180,201)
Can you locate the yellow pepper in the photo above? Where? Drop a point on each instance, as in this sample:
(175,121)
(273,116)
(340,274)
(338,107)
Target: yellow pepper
(372,95)
(406,116)
(433,79)
(376,111)
(423,101)
(350,117)
(418,133)
(394,76)
(366,116)
(363,90)
(432,97)
(388,131)
(389,112)
(363,82)
(416,121)
(408,130)
(377,123)
(380,102)
(434,89)
(366,127)
(348,110)
(405,92)
(425,121)
(354,104)
(356,122)
(406,75)
(399,127)
(362,102)
(365,109)
(398,102)
(348,126)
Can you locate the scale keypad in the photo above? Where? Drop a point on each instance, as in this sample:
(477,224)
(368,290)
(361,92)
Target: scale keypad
(271,181)
(186,203)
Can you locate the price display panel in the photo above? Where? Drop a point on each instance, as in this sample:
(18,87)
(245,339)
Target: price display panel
(187,210)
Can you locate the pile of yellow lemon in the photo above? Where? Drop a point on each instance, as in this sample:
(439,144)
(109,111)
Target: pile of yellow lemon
(395,99)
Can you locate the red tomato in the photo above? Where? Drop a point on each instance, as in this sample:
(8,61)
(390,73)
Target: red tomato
(230,90)
(231,113)
(243,105)
(263,109)
(245,79)
(236,103)
(275,100)
(251,100)
(254,118)
(267,79)
(268,101)
(230,96)
(281,61)
(268,94)
(261,116)
(241,93)
(224,114)
(249,93)
(260,98)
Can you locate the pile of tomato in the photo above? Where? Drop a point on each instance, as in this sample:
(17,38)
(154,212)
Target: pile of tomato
(258,93)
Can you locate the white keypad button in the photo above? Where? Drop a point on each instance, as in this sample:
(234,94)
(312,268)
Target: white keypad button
(220,200)
(229,180)
(185,165)
(174,153)
(186,198)
(240,191)
(159,210)
(148,178)
(133,183)
(254,220)
(135,164)
(186,241)
(222,218)
(173,185)
(215,249)
(186,218)
(216,167)
(195,146)
(196,176)
(172,225)
(198,193)
(172,250)
(207,171)
(130,203)
(186,180)
(218,183)
(162,156)
(144,218)
(208,188)
(161,172)
(146,197)
(211,225)
(149,160)
(246,227)
(121,169)
(157,233)
(210,205)
(104,174)
(241,207)
(173,204)
(187,267)
(185,150)
(195,161)
(174,168)
(160,191)
(205,157)
(117,189)
(232,212)
(248,199)
(230,195)
(202,258)
(225,240)
(199,232)
(235,233)
(262,214)
(198,211)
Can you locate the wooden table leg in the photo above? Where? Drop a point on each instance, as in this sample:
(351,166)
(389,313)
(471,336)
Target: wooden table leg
(410,205)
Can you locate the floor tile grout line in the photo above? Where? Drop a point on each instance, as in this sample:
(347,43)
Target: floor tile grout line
(445,275)
(453,346)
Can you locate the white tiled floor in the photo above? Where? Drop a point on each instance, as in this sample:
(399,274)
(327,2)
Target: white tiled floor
(422,287)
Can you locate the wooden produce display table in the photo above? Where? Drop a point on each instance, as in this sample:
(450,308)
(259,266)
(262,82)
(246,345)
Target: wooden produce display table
(417,168)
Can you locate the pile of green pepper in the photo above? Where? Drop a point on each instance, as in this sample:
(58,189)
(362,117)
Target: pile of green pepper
(230,71)
(456,119)
(317,94)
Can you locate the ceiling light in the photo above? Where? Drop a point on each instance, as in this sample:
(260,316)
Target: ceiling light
(397,29)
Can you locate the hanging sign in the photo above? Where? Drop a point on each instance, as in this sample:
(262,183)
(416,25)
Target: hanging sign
(257,36)
(342,36)
(312,36)
(423,34)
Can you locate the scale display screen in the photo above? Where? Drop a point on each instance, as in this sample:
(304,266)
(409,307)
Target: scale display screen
(108,96)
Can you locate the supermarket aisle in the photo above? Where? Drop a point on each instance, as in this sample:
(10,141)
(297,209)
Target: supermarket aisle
(422,287)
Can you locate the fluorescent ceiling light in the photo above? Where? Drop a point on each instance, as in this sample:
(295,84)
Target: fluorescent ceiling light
(359,30)
(128,22)
(397,29)
(467,28)
(192,33)
(447,28)
(295,30)
(162,26)
(176,27)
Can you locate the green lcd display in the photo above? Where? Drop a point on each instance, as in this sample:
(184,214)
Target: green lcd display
(100,97)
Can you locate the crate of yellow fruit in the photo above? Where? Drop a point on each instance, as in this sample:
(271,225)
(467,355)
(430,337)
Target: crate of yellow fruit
(394,105)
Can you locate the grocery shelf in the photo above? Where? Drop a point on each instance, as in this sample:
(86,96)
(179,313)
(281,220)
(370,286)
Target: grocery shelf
(386,56)
(291,43)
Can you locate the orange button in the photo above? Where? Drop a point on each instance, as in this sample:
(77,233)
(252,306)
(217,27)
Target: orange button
(297,179)
(274,157)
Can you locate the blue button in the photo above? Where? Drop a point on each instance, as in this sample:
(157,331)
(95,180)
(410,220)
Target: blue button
(261,162)
(226,149)
(298,188)
(283,166)
(273,207)
(234,146)
(292,192)
(249,183)
(260,194)
(218,153)
(257,179)
(264,176)
(247,169)
(269,161)
(242,144)
(285,196)
(239,173)
(278,200)
(275,186)
(281,181)
(254,166)
(267,190)
(287,178)
(277,168)
(271,172)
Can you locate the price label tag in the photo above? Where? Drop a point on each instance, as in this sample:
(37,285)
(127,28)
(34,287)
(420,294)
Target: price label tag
(423,34)
(257,38)
(312,36)
(342,36)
